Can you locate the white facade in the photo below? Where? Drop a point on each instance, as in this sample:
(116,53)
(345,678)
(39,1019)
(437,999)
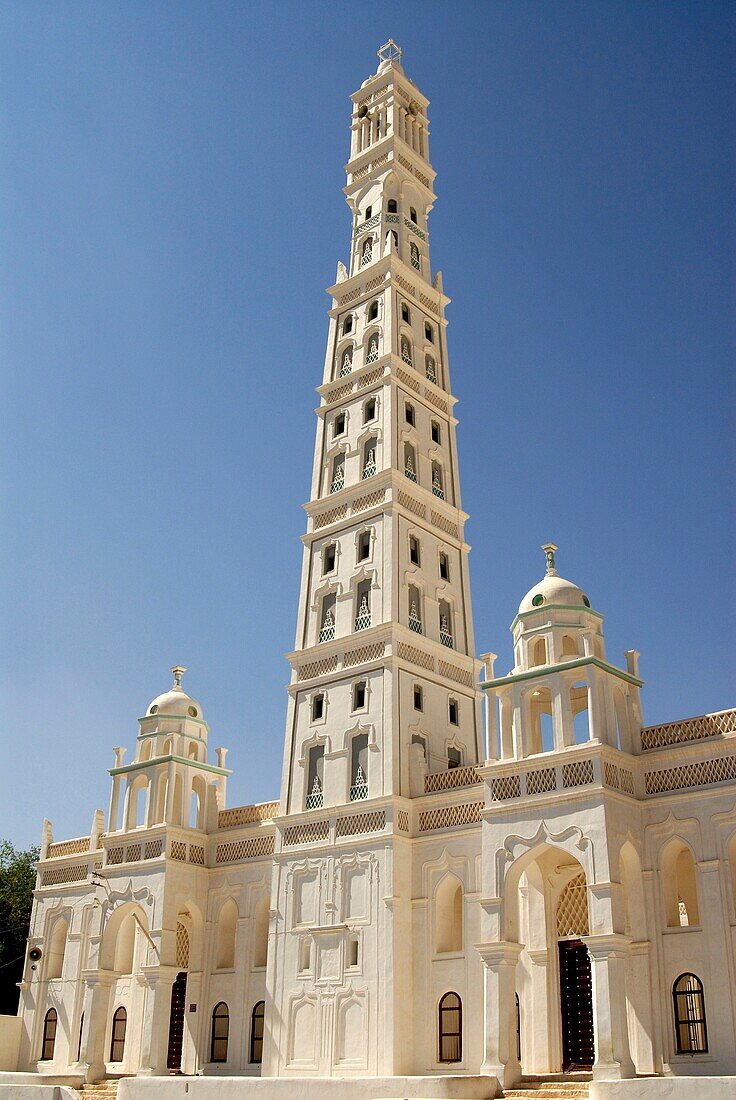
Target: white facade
(425,894)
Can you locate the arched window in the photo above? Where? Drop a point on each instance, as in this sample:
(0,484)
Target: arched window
(448,915)
(410,462)
(413,214)
(220,1032)
(347,325)
(570,646)
(691,1034)
(392,240)
(372,353)
(367,253)
(415,610)
(226,928)
(50,1022)
(679,881)
(450,1028)
(539,652)
(430,368)
(363,606)
(369,410)
(438,487)
(406,350)
(117,1037)
(446,637)
(327,624)
(338,473)
(373,310)
(414,257)
(359,767)
(256,1033)
(369,458)
(346,360)
(580,716)
(315,775)
(393,207)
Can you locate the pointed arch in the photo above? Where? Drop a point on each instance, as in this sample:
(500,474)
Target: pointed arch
(50,1024)
(448,915)
(57,947)
(679,884)
(260,931)
(227,923)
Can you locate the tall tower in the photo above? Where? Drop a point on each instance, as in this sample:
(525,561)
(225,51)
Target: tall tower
(383,685)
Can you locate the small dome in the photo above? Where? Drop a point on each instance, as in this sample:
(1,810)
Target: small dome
(553,589)
(175,700)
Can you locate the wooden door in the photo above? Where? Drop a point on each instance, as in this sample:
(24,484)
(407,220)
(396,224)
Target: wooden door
(576,1004)
(176,1021)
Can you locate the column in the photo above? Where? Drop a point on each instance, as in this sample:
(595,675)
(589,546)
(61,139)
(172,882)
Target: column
(535,1049)
(156,1013)
(562,713)
(96,1011)
(499,1024)
(639,994)
(517,723)
(712,880)
(608,955)
(493,743)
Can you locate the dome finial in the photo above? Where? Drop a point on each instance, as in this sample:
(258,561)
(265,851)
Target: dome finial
(549,554)
(390,51)
(178,673)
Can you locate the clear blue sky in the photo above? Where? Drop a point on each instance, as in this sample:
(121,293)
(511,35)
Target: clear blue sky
(172,212)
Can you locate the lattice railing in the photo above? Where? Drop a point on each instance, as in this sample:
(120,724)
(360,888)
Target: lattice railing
(68,848)
(445,524)
(309,832)
(252,848)
(178,851)
(541,781)
(402,821)
(407,379)
(368,379)
(370,822)
(621,779)
(317,668)
(689,729)
(324,519)
(75,872)
(247,815)
(369,500)
(699,774)
(449,780)
(453,672)
(577,774)
(153,848)
(415,656)
(434,399)
(505,786)
(413,505)
(449,817)
(365,653)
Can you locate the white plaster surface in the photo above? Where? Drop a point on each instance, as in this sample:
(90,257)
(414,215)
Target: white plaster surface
(10,1032)
(665,1088)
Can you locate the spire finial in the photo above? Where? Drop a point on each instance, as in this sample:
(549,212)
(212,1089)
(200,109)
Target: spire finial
(549,553)
(390,51)
(178,673)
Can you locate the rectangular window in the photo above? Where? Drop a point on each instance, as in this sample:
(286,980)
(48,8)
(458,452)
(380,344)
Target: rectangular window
(414,550)
(409,414)
(328,558)
(364,545)
(405,315)
(444,567)
(359,768)
(435,432)
(315,774)
(418,698)
(429,332)
(338,426)
(453,712)
(318,707)
(369,410)
(359,695)
(454,758)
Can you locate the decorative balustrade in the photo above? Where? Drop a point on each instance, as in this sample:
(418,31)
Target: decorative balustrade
(359,789)
(363,618)
(450,780)
(370,467)
(327,630)
(247,815)
(689,729)
(370,224)
(446,638)
(69,847)
(315,798)
(338,480)
(415,229)
(415,623)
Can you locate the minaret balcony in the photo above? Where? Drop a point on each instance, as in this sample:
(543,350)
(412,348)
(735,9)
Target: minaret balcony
(415,624)
(370,467)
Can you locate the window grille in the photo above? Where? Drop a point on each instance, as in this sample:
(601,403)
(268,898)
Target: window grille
(49,1035)
(572,908)
(347,364)
(369,468)
(327,630)
(182,946)
(338,478)
(691,1034)
(363,618)
(406,351)
(367,255)
(445,633)
(415,623)
(431,369)
(409,467)
(359,789)
(372,355)
(437,484)
(414,252)
(315,797)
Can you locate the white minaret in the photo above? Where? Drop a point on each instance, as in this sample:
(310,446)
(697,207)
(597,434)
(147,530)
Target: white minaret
(383,686)
(384,645)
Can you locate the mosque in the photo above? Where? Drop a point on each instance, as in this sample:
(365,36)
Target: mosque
(471,883)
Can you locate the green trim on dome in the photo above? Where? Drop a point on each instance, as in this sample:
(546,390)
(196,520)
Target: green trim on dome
(555,607)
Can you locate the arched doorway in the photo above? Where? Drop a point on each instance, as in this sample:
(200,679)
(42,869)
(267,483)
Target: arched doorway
(178,997)
(576,985)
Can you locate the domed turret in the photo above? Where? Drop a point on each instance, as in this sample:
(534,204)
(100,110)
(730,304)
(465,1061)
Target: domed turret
(175,700)
(553,589)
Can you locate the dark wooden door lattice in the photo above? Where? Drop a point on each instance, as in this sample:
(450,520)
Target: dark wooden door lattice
(576,1003)
(176,1021)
